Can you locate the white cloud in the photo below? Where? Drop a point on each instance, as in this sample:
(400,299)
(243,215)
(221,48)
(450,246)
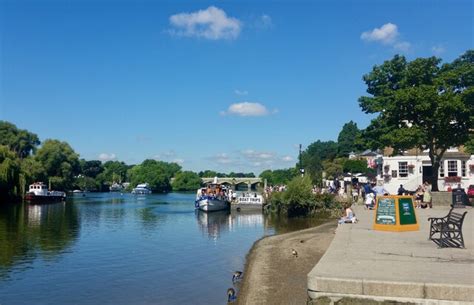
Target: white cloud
(247,109)
(438,50)
(287,159)
(403,46)
(177,160)
(223,158)
(241,92)
(169,156)
(107,157)
(211,23)
(265,22)
(388,35)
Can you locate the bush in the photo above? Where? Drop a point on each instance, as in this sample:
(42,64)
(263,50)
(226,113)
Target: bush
(299,199)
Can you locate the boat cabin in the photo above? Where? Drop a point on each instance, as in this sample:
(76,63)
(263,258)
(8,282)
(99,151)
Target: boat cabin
(38,188)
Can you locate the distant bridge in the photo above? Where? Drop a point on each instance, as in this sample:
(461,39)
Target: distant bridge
(237,183)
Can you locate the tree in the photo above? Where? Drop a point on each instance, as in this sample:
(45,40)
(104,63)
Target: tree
(347,139)
(314,155)
(60,163)
(10,187)
(186,181)
(91,168)
(421,104)
(279,176)
(20,141)
(156,173)
(355,166)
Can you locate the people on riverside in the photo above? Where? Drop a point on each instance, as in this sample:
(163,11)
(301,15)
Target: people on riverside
(349,216)
(369,201)
(380,190)
(401,190)
(426,203)
(418,196)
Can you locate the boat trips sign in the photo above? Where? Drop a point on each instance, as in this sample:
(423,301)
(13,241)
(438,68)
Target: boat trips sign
(395,213)
(250,200)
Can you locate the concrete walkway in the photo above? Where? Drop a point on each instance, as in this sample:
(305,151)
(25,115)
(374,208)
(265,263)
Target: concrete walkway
(401,266)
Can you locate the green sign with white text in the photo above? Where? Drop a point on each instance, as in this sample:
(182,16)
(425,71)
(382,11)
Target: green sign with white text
(407,211)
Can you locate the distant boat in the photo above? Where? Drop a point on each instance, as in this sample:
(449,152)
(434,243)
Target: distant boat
(38,192)
(115,187)
(142,189)
(214,197)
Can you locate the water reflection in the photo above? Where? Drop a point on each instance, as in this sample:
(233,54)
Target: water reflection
(31,231)
(216,223)
(213,224)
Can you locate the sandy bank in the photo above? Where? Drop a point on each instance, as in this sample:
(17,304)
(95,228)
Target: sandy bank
(273,275)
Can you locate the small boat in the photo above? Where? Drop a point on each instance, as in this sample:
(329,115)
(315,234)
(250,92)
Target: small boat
(142,189)
(38,192)
(214,197)
(116,187)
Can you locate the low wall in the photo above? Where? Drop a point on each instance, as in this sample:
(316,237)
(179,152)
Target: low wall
(442,198)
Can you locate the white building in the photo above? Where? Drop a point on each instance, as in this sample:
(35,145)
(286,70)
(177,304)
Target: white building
(412,170)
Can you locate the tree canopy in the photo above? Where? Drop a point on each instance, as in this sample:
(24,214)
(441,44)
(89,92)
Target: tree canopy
(156,173)
(60,163)
(186,181)
(20,141)
(347,139)
(420,104)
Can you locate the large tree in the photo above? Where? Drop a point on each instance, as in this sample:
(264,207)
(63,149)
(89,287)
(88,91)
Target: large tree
(156,173)
(20,141)
(421,104)
(60,163)
(347,139)
(186,181)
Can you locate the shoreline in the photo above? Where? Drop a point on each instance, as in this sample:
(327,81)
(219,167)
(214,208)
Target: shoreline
(273,275)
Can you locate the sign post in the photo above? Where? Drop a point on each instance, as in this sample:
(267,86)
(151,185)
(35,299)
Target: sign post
(395,213)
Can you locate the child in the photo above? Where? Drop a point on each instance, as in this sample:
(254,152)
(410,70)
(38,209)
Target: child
(369,201)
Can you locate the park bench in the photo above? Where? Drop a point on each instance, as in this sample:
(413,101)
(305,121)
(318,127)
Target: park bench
(447,231)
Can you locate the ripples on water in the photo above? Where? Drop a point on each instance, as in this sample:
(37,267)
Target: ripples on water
(125,249)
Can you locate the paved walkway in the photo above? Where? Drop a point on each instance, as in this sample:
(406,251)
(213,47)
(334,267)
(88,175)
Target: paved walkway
(404,266)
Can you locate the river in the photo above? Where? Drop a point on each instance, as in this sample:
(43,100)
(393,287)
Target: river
(112,248)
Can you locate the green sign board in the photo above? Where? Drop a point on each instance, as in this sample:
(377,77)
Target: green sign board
(386,212)
(407,212)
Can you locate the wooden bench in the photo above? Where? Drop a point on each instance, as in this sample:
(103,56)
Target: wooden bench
(447,231)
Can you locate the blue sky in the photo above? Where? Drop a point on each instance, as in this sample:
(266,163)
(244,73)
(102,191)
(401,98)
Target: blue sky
(224,85)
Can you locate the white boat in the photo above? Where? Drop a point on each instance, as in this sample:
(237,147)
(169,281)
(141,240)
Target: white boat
(38,192)
(214,197)
(142,189)
(115,187)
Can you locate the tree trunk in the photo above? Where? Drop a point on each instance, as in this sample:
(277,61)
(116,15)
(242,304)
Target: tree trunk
(434,176)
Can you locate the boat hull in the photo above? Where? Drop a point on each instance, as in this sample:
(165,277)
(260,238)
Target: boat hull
(210,205)
(37,198)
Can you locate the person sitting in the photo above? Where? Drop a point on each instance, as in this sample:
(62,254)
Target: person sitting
(349,216)
(401,191)
(418,196)
(369,201)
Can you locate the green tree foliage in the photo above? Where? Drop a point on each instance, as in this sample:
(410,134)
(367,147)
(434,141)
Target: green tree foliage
(312,158)
(186,181)
(299,199)
(334,168)
(91,168)
(279,176)
(10,174)
(347,139)
(210,173)
(156,173)
(20,141)
(420,104)
(60,162)
(114,171)
(355,166)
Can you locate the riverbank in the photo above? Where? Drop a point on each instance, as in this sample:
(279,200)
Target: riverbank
(273,275)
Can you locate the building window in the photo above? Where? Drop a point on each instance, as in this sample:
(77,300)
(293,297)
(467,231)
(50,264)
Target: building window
(452,168)
(441,169)
(463,168)
(403,169)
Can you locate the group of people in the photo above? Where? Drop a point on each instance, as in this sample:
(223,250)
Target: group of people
(423,198)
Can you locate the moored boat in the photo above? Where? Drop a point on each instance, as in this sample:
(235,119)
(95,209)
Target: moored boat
(38,192)
(142,189)
(214,197)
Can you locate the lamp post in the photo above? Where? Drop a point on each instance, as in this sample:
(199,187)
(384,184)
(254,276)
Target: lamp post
(301,165)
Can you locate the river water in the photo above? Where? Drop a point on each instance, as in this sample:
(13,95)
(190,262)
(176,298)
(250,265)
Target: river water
(111,248)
